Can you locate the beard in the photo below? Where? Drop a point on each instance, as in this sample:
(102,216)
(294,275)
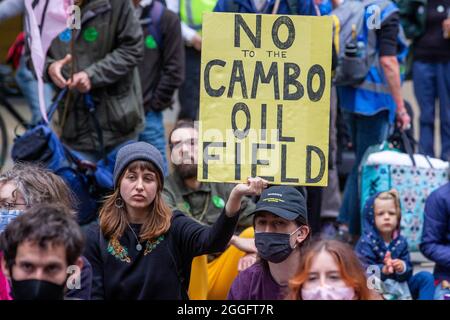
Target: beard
(186,171)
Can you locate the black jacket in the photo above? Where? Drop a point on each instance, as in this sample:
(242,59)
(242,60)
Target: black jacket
(162,274)
(162,70)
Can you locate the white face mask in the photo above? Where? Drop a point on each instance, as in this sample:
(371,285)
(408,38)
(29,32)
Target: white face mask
(6,216)
(328,293)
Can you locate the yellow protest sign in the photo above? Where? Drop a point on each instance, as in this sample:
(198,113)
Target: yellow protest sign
(265,98)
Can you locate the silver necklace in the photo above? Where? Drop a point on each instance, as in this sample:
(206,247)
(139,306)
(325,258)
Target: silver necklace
(138,246)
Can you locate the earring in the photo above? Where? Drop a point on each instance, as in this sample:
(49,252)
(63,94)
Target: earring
(119,203)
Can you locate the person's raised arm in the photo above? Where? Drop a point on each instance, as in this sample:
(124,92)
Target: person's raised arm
(254,186)
(197,239)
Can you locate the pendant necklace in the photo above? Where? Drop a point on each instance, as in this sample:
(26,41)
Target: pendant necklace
(138,246)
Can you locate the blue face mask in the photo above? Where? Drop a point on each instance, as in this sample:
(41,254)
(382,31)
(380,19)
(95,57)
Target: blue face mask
(325,7)
(6,216)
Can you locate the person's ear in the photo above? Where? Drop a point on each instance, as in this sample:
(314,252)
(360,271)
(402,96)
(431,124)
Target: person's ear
(80,263)
(302,234)
(5,269)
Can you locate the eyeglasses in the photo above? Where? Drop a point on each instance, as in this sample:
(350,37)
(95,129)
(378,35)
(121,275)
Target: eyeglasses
(190,142)
(10,205)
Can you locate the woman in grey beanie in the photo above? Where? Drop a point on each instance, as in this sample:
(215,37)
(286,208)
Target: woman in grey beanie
(143,250)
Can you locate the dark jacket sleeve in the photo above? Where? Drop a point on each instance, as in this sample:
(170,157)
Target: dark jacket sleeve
(172,71)
(368,257)
(195,239)
(246,217)
(93,254)
(247,208)
(387,35)
(128,53)
(434,244)
(84,292)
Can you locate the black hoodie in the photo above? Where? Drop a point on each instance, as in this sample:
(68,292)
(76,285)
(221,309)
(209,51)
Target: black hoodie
(162,70)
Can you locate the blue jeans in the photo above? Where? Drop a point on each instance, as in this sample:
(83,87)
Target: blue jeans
(29,87)
(431,82)
(365,131)
(421,286)
(154,133)
(440,292)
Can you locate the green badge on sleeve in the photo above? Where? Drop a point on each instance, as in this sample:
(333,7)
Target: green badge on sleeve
(150,42)
(186,206)
(90,34)
(218,202)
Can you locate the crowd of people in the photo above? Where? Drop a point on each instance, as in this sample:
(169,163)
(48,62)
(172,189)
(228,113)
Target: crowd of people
(162,234)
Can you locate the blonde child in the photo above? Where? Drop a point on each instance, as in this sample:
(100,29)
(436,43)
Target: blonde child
(382,246)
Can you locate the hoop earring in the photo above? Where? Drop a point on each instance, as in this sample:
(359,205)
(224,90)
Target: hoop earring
(119,203)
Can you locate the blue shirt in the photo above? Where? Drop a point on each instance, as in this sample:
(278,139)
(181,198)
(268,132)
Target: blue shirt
(304,7)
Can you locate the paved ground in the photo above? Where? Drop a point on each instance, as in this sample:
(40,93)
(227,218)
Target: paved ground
(170,118)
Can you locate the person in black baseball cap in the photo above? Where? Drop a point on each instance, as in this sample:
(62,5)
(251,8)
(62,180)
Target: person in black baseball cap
(285,202)
(281,229)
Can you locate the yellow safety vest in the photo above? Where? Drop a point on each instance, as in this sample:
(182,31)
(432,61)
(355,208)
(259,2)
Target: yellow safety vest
(191,11)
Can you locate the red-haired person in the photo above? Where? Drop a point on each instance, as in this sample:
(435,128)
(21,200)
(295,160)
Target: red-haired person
(330,270)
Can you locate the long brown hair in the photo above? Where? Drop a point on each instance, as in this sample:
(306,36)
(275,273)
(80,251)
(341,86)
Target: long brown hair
(350,269)
(113,220)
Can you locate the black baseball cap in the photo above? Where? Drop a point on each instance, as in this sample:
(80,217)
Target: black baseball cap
(283,201)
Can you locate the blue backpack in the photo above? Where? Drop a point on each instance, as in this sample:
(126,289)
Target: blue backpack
(152,18)
(88,181)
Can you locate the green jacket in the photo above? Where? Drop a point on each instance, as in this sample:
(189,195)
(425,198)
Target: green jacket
(413,15)
(206,203)
(108,48)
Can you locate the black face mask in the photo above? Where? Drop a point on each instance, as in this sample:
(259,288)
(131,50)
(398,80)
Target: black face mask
(274,247)
(37,290)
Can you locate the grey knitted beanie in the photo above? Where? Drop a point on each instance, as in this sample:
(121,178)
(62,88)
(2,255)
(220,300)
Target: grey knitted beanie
(137,151)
